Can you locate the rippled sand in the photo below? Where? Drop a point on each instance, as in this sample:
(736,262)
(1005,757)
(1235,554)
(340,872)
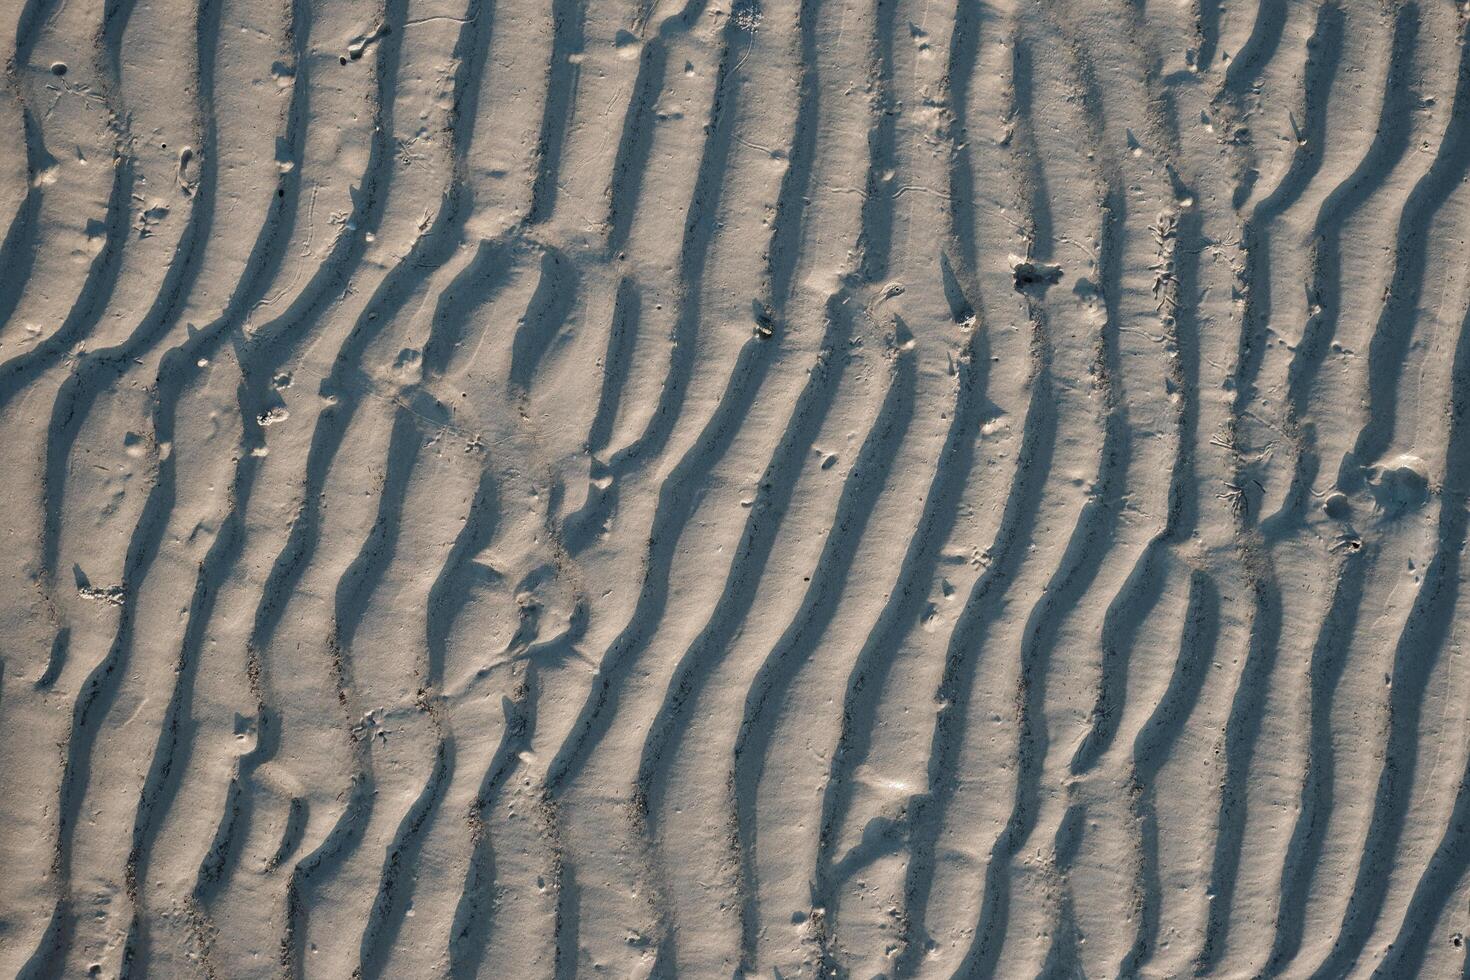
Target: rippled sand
(803,488)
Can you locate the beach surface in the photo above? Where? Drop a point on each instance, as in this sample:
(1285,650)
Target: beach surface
(782,488)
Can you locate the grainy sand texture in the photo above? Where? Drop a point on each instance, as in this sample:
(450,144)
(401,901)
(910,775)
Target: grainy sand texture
(771,488)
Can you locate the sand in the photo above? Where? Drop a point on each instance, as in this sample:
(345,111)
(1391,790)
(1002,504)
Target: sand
(786,489)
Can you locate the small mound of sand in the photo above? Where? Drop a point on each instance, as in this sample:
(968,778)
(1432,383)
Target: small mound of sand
(1399,486)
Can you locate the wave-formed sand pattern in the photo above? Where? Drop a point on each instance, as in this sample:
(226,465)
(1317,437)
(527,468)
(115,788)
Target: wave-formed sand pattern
(792,488)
